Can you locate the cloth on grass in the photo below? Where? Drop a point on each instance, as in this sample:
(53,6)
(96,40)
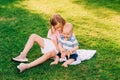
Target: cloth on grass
(83,54)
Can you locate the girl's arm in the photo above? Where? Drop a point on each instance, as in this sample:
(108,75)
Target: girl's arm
(49,34)
(60,47)
(52,37)
(62,51)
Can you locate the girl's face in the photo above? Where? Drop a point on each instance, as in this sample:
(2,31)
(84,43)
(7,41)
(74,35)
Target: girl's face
(58,27)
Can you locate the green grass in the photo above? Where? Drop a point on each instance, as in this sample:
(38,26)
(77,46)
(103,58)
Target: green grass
(96,25)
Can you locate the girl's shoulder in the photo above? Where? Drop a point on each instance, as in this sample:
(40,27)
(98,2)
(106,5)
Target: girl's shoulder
(50,31)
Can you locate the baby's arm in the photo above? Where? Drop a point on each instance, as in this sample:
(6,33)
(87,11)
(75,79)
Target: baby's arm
(73,49)
(69,52)
(75,44)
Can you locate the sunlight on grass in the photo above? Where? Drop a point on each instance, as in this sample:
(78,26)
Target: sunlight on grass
(6,19)
(38,6)
(74,10)
(96,26)
(52,7)
(92,20)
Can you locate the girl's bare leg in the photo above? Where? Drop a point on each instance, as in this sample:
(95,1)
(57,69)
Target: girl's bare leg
(24,66)
(32,39)
(69,61)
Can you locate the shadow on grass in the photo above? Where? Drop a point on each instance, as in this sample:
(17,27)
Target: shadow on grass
(110,4)
(7,2)
(16,25)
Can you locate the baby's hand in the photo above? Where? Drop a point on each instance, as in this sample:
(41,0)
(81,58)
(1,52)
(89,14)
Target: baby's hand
(69,52)
(63,54)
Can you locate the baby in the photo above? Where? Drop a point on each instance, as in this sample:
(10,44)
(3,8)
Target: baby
(67,45)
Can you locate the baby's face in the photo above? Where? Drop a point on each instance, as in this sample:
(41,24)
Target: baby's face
(67,33)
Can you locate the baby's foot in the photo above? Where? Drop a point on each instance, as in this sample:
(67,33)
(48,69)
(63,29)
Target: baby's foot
(64,65)
(53,63)
(22,67)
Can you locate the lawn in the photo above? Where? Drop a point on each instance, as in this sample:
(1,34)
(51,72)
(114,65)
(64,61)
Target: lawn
(96,26)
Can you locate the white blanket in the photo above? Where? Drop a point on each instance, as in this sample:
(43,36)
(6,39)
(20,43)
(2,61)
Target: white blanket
(83,54)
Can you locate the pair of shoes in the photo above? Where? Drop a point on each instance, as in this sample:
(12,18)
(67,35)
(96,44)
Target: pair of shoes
(20,60)
(21,67)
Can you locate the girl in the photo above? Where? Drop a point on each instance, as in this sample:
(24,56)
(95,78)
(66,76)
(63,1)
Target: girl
(48,46)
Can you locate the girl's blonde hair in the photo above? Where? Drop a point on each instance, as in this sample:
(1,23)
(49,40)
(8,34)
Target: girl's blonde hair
(55,19)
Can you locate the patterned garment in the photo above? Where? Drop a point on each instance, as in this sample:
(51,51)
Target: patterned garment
(68,44)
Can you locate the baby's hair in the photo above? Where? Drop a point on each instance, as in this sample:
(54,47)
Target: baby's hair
(68,26)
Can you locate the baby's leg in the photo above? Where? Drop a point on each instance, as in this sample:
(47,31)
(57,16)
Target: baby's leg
(55,61)
(69,61)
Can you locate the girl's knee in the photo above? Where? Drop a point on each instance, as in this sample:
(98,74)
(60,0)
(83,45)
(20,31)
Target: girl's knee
(50,54)
(47,55)
(53,54)
(33,35)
